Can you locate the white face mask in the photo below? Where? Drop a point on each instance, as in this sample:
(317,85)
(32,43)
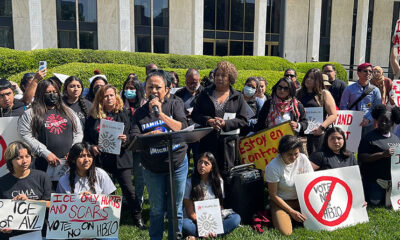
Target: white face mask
(248,91)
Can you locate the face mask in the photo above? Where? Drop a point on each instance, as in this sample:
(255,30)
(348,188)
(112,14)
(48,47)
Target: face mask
(130,94)
(248,91)
(50,99)
(96,89)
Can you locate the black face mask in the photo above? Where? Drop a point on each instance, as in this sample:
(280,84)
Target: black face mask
(51,99)
(96,89)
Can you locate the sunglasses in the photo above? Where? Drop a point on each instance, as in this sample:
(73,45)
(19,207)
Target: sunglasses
(290,75)
(367,71)
(282,88)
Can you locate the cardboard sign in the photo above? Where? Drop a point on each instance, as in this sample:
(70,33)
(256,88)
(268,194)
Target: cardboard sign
(331,199)
(396,91)
(22,215)
(8,134)
(262,147)
(209,220)
(55,173)
(108,136)
(396,36)
(395,172)
(314,117)
(349,122)
(74,216)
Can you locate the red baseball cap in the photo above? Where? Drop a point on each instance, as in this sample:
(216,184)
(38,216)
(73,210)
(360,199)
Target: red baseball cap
(363,66)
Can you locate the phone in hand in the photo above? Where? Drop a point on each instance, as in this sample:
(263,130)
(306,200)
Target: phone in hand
(42,65)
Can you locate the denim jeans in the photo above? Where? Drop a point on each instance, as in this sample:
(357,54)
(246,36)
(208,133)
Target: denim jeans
(231,222)
(374,194)
(157,185)
(138,178)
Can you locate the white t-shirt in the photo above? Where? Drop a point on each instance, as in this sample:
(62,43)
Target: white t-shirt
(278,172)
(103,185)
(207,189)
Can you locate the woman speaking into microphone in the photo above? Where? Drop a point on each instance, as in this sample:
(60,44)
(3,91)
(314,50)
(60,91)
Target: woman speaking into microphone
(162,114)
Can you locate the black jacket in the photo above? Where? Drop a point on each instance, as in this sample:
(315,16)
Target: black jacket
(110,161)
(16,110)
(181,94)
(263,114)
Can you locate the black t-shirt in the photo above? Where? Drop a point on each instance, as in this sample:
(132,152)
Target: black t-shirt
(36,186)
(57,133)
(337,87)
(329,160)
(155,158)
(374,142)
(16,110)
(78,109)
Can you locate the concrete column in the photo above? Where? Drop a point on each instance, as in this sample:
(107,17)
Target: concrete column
(381,32)
(361,33)
(296,30)
(197,27)
(314,29)
(132,24)
(124,25)
(341,27)
(35,19)
(49,21)
(108,25)
(180,26)
(260,21)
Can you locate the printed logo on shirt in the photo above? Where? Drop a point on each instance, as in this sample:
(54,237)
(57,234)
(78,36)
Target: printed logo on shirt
(157,123)
(29,193)
(107,118)
(369,105)
(393,144)
(80,115)
(56,124)
(161,150)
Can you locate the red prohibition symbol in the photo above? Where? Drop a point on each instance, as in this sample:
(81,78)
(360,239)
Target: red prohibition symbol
(3,146)
(319,215)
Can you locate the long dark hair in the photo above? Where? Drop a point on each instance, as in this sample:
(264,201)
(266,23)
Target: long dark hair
(214,178)
(81,101)
(74,153)
(39,107)
(139,90)
(292,87)
(325,146)
(318,86)
(91,94)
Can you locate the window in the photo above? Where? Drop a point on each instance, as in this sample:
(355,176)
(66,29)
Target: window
(68,12)
(325,32)
(272,28)
(228,27)
(151,25)
(6,26)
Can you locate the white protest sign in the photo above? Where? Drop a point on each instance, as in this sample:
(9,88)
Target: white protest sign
(396,91)
(396,35)
(36,235)
(22,215)
(8,134)
(349,122)
(108,136)
(331,199)
(395,172)
(55,173)
(208,214)
(73,216)
(314,117)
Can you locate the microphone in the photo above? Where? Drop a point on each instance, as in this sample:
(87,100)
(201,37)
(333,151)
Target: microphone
(155,108)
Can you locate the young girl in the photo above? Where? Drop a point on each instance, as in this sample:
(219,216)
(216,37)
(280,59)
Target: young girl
(206,183)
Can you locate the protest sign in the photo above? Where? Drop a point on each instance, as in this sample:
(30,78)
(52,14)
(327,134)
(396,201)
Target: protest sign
(395,172)
(73,216)
(36,235)
(396,36)
(331,199)
(314,117)
(22,215)
(8,134)
(262,147)
(349,122)
(108,136)
(209,218)
(55,173)
(396,91)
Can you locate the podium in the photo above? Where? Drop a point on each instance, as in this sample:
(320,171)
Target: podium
(144,142)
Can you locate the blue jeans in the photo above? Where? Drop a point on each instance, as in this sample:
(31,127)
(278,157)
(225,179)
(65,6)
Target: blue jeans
(374,194)
(157,185)
(231,222)
(138,178)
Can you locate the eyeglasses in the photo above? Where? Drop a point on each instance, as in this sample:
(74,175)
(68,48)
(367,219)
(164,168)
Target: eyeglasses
(282,88)
(290,75)
(328,71)
(367,71)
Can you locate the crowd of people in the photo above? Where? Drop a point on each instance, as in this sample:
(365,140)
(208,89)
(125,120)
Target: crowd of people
(62,127)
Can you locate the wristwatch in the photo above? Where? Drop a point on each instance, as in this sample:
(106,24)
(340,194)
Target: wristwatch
(322,128)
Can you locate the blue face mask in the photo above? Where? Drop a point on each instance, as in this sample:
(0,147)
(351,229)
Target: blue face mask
(130,94)
(248,91)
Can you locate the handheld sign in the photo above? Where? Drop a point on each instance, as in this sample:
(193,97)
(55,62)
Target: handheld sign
(332,198)
(395,172)
(108,136)
(55,173)
(208,214)
(262,147)
(349,122)
(396,91)
(22,215)
(73,216)
(396,35)
(314,117)
(8,134)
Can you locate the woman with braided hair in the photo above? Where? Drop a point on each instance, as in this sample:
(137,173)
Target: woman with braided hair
(73,98)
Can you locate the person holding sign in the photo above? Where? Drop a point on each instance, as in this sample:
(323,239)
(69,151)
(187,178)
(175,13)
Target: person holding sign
(161,114)
(333,153)
(279,174)
(205,183)
(375,151)
(282,107)
(313,94)
(22,183)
